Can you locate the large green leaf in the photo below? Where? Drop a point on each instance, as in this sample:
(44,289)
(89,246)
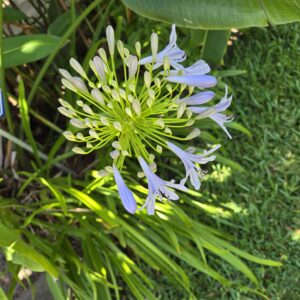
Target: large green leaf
(218,14)
(24,49)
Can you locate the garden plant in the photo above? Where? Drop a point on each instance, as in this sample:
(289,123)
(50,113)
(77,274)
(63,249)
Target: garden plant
(129,167)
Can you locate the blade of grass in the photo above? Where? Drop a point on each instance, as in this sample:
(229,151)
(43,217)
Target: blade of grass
(26,121)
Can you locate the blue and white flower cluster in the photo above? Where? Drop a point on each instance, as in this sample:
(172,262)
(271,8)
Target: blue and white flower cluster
(137,120)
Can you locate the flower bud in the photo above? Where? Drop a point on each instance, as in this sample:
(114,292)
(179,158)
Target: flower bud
(120,47)
(110,35)
(96,94)
(78,150)
(132,66)
(147,79)
(65,103)
(93,134)
(102,54)
(79,84)
(65,74)
(66,112)
(79,103)
(87,109)
(77,123)
(114,154)
(69,135)
(193,134)
(154,45)
(116,145)
(181,109)
(77,67)
(68,84)
(138,48)
(99,68)
(118,126)
(136,106)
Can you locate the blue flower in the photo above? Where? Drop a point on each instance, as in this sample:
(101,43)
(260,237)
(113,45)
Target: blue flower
(214,112)
(125,193)
(200,67)
(200,81)
(172,51)
(199,98)
(158,187)
(190,160)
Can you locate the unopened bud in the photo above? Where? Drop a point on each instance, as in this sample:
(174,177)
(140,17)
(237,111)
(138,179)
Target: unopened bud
(66,112)
(98,67)
(78,150)
(93,133)
(168,130)
(132,66)
(87,109)
(116,145)
(147,79)
(77,67)
(181,109)
(138,48)
(65,103)
(102,54)
(64,73)
(79,84)
(114,154)
(193,134)
(120,47)
(136,106)
(160,123)
(154,45)
(69,135)
(128,111)
(96,94)
(118,126)
(110,35)
(77,123)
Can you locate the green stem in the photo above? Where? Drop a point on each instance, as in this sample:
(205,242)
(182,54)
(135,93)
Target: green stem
(2,76)
(61,43)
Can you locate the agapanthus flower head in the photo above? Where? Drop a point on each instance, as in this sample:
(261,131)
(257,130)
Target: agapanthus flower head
(136,111)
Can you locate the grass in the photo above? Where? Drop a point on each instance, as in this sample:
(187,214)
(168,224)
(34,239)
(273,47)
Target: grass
(265,198)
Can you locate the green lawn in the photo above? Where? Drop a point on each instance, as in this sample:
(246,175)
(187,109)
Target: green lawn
(266,197)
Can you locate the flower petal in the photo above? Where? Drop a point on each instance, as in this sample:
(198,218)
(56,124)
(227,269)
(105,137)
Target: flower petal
(125,193)
(201,81)
(199,98)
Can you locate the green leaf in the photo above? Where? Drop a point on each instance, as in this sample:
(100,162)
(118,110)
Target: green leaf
(2,294)
(56,193)
(22,253)
(24,49)
(215,44)
(61,24)
(218,14)
(26,121)
(55,289)
(11,14)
